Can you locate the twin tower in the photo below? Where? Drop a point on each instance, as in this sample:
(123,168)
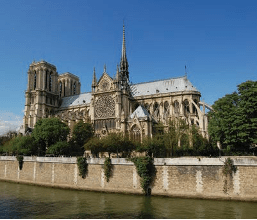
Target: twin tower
(48,94)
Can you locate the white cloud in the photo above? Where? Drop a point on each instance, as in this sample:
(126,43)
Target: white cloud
(9,122)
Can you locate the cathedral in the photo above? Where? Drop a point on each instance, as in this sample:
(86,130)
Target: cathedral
(114,104)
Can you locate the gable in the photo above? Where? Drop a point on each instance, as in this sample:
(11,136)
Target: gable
(105,83)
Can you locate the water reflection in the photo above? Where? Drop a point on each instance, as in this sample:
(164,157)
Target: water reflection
(23,201)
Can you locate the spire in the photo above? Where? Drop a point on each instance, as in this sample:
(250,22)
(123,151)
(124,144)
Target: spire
(94,82)
(123,57)
(117,73)
(104,68)
(124,62)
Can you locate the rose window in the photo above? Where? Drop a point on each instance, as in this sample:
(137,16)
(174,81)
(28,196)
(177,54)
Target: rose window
(105,107)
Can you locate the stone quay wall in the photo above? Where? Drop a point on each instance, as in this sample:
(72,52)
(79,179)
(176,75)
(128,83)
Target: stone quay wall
(188,177)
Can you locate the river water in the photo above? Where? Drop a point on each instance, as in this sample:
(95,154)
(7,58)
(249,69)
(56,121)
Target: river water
(26,201)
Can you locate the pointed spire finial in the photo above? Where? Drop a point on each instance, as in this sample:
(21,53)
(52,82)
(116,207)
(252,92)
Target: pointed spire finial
(104,68)
(124,57)
(185,70)
(118,73)
(124,62)
(94,82)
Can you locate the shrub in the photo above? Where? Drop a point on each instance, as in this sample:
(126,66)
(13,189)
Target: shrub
(82,166)
(107,168)
(146,170)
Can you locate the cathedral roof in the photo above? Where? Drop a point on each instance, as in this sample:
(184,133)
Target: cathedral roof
(180,84)
(140,112)
(83,98)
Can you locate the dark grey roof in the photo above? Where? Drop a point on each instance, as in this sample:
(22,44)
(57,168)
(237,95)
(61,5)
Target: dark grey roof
(180,84)
(83,98)
(163,86)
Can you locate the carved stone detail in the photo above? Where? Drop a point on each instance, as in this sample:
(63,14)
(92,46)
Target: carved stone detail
(105,107)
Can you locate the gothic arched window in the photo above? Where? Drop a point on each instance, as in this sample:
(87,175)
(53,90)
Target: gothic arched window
(64,88)
(186,107)
(135,133)
(46,77)
(74,88)
(166,109)
(35,80)
(60,88)
(156,110)
(50,82)
(176,107)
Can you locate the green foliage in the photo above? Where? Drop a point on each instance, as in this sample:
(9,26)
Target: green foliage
(82,166)
(229,168)
(60,148)
(107,168)
(113,143)
(146,170)
(48,131)
(20,160)
(234,119)
(95,145)
(82,132)
(154,147)
(7,137)
(23,145)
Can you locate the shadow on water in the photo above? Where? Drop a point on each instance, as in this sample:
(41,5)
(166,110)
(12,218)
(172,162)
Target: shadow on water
(24,201)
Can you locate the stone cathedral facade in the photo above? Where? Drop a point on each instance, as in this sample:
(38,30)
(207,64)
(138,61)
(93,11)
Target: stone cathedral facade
(114,104)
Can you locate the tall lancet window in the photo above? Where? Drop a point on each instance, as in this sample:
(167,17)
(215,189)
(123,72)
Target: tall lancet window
(74,89)
(35,80)
(64,88)
(50,82)
(60,89)
(46,79)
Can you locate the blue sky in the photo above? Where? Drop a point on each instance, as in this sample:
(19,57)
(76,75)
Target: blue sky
(216,40)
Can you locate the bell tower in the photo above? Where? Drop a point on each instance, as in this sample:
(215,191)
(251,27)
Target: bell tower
(42,94)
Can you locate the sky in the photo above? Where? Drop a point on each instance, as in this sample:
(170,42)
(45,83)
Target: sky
(216,40)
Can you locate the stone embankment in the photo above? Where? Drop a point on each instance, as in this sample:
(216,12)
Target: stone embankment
(189,177)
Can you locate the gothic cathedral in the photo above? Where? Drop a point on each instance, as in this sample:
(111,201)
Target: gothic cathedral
(114,104)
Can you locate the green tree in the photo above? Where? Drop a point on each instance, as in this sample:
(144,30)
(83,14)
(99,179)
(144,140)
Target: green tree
(48,131)
(117,143)
(95,145)
(234,119)
(60,148)
(154,147)
(24,145)
(82,132)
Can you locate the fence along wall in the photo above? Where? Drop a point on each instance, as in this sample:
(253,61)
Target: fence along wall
(180,177)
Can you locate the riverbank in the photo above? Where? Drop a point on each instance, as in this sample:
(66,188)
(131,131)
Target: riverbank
(187,177)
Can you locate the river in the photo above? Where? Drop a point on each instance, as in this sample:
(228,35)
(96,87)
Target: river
(26,201)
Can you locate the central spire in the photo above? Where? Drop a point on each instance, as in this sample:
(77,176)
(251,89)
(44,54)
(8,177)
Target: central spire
(123,57)
(124,62)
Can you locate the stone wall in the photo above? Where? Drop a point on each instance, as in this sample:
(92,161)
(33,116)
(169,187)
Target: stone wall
(179,177)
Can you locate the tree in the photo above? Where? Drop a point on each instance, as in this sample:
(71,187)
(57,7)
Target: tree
(95,145)
(154,147)
(117,143)
(49,131)
(82,132)
(24,145)
(113,143)
(234,119)
(60,148)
